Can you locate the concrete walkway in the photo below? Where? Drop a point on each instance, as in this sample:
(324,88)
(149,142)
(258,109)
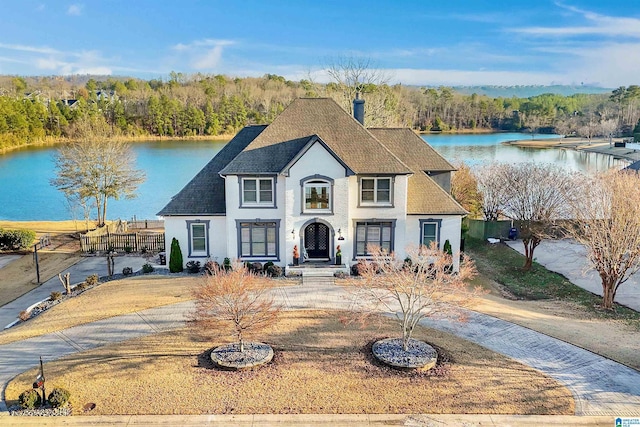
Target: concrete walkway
(569,258)
(78,272)
(6,259)
(599,386)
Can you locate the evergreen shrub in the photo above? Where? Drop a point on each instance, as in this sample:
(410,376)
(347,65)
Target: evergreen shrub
(175,257)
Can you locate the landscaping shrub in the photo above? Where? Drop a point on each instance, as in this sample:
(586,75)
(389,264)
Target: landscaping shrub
(357,268)
(29,399)
(210,267)
(267,265)
(127,271)
(91,280)
(447,247)
(59,397)
(16,239)
(81,286)
(128,249)
(24,315)
(175,257)
(226,264)
(193,267)
(273,270)
(55,295)
(147,268)
(256,267)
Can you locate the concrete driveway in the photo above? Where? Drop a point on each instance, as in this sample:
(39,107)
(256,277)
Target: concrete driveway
(569,258)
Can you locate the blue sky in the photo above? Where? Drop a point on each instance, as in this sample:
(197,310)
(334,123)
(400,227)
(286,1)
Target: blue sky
(455,42)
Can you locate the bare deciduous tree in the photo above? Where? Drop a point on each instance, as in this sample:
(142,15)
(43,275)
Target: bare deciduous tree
(608,224)
(464,188)
(97,168)
(234,300)
(491,184)
(351,75)
(534,195)
(537,195)
(411,291)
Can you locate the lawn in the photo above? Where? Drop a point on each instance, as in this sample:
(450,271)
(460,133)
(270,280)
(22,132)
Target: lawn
(321,366)
(19,276)
(504,265)
(104,301)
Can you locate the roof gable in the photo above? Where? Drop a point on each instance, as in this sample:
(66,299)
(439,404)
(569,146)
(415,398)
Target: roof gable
(205,193)
(341,133)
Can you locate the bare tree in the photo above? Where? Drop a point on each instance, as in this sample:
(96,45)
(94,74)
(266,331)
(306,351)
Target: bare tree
(608,224)
(351,75)
(427,286)
(492,185)
(234,300)
(535,195)
(97,168)
(464,188)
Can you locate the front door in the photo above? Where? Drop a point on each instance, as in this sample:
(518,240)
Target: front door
(316,241)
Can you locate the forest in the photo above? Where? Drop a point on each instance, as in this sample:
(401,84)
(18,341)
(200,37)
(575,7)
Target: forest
(56,108)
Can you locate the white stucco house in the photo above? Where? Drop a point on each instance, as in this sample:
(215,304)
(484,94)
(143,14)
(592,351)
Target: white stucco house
(315,178)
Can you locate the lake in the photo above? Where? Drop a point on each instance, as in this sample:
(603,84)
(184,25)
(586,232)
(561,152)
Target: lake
(25,192)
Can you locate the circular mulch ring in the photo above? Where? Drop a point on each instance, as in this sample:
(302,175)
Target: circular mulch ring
(419,355)
(229,356)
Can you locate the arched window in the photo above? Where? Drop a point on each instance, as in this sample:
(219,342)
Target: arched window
(317,194)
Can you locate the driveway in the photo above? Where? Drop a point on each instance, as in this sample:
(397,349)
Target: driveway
(78,272)
(569,258)
(599,385)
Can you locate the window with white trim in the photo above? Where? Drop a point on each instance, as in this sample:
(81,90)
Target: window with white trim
(317,196)
(257,191)
(429,233)
(430,229)
(375,191)
(373,233)
(198,238)
(258,239)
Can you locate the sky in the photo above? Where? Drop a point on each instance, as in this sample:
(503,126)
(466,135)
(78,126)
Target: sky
(415,42)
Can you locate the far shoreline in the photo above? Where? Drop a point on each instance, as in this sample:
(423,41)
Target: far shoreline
(593,145)
(50,141)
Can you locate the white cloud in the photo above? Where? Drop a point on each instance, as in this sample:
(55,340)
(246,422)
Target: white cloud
(75,9)
(205,54)
(24,48)
(597,24)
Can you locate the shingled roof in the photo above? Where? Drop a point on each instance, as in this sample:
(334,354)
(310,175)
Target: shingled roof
(411,149)
(272,150)
(205,193)
(424,195)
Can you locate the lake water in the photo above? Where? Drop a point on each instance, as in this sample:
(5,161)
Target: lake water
(25,192)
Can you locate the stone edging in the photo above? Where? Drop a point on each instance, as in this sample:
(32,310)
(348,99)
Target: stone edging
(229,356)
(419,355)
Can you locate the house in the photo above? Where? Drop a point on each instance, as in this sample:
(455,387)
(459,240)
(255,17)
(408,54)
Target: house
(315,178)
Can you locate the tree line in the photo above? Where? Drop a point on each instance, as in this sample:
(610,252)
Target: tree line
(35,109)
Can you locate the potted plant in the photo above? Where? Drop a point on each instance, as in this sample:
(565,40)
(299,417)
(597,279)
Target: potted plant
(296,255)
(338,256)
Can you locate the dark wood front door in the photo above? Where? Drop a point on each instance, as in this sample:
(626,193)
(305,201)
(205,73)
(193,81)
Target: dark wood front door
(316,241)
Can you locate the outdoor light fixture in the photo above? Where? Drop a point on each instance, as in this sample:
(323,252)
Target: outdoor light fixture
(293,234)
(340,234)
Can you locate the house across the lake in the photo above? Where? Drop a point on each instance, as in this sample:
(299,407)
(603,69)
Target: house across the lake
(315,178)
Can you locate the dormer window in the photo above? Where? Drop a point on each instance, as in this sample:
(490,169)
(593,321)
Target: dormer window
(257,192)
(316,194)
(376,191)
